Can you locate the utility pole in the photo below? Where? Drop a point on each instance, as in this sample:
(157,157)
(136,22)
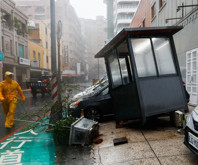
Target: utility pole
(56,113)
(53,37)
(59,35)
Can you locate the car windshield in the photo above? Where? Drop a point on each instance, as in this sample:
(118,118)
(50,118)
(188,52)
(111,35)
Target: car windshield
(100,85)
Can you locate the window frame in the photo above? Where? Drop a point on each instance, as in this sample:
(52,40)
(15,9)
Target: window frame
(126,57)
(154,57)
(153,11)
(34,55)
(161,4)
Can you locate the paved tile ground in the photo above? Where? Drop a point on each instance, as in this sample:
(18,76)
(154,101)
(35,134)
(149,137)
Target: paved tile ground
(158,143)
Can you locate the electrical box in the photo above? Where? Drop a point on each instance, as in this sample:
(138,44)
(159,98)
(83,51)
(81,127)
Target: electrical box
(83,131)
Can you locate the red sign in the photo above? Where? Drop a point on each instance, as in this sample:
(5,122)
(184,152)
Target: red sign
(1,64)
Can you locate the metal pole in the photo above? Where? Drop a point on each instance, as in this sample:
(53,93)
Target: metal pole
(53,37)
(53,117)
(59,78)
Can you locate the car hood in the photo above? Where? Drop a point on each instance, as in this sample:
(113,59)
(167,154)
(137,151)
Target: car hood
(190,122)
(196,110)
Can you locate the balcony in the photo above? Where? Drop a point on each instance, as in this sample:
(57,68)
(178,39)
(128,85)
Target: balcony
(126,10)
(6,21)
(124,21)
(118,1)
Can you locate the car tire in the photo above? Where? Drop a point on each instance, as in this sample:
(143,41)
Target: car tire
(93,114)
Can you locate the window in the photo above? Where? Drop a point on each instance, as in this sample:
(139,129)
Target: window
(39,10)
(153,11)
(47,59)
(164,56)
(16,48)
(105,91)
(144,57)
(161,3)
(34,55)
(119,63)
(2,44)
(143,23)
(39,56)
(154,59)
(115,70)
(11,51)
(124,71)
(46,45)
(21,50)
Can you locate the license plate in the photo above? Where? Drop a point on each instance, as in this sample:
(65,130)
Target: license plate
(193,140)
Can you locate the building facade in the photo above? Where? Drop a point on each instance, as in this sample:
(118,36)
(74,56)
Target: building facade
(37,10)
(75,62)
(94,34)
(14,42)
(119,15)
(123,13)
(181,13)
(142,17)
(110,25)
(39,50)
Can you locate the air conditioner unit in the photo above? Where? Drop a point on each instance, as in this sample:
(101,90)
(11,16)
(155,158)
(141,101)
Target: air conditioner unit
(83,131)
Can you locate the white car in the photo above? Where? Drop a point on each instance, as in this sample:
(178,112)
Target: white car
(191,131)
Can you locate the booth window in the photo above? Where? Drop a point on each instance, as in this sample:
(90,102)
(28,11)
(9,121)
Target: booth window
(115,70)
(144,58)
(119,65)
(124,71)
(147,65)
(163,56)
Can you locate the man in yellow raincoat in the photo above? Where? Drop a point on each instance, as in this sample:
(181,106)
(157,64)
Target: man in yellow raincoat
(8,97)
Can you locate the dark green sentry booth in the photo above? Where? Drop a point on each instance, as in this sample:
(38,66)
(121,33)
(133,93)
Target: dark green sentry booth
(143,73)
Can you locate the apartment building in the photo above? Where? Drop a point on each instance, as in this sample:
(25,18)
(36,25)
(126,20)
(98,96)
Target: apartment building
(72,42)
(75,62)
(37,10)
(123,13)
(94,34)
(119,15)
(14,42)
(39,49)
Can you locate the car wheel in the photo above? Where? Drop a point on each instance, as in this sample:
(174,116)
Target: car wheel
(93,114)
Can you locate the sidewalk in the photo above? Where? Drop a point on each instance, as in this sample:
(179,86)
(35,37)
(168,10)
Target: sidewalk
(155,144)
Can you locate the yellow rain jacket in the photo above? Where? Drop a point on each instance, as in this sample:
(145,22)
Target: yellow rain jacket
(8,96)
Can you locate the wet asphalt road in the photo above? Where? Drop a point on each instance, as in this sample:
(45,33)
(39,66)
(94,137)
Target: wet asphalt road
(32,105)
(24,112)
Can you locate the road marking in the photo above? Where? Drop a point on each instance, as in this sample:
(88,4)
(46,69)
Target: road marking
(12,133)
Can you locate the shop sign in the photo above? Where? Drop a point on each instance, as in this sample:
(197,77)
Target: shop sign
(35,64)
(1,64)
(24,61)
(1,56)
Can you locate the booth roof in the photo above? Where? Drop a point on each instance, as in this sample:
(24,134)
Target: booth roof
(149,31)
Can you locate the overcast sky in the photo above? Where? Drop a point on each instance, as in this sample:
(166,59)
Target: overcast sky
(89,8)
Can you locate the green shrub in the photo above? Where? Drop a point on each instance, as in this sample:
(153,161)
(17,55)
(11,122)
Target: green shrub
(61,130)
